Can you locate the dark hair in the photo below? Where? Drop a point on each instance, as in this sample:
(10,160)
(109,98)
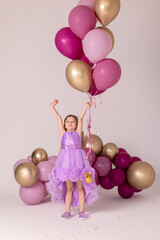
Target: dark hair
(70,115)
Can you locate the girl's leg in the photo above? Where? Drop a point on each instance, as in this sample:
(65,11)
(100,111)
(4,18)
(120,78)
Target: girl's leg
(69,191)
(81,193)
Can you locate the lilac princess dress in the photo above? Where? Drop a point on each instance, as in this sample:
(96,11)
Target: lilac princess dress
(71,164)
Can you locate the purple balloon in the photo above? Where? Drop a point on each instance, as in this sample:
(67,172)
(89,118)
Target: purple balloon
(34,194)
(20,161)
(117,176)
(106,74)
(81,20)
(126,191)
(45,168)
(52,159)
(121,150)
(68,43)
(103,165)
(105,182)
(122,160)
(93,90)
(91,156)
(135,159)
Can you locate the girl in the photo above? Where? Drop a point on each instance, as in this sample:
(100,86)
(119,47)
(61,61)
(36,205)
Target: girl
(67,180)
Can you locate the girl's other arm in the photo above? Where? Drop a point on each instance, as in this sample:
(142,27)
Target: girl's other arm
(80,118)
(59,119)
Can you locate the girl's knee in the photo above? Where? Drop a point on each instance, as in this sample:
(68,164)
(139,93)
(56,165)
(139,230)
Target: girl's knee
(69,189)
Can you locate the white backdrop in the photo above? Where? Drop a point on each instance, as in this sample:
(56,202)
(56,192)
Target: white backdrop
(32,74)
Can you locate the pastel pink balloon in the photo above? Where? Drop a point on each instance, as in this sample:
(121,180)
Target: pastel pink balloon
(18,162)
(34,194)
(88,3)
(45,168)
(97,44)
(68,43)
(102,165)
(106,74)
(52,159)
(81,20)
(46,191)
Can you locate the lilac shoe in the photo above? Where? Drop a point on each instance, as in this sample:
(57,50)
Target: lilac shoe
(66,215)
(82,215)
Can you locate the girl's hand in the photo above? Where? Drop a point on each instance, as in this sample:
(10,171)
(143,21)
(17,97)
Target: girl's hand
(89,104)
(53,103)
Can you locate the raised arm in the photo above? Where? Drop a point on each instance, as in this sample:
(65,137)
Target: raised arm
(59,119)
(80,118)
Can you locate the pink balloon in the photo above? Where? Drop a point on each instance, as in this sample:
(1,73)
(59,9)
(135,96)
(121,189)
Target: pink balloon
(96,177)
(33,194)
(106,74)
(46,191)
(68,43)
(29,158)
(88,3)
(103,165)
(91,156)
(18,162)
(81,20)
(85,59)
(45,168)
(52,159)
(135,159)
(97,44)
(93,90)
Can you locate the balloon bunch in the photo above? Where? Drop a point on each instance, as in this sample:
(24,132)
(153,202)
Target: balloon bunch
(90,71)
(115,167)
(32,174)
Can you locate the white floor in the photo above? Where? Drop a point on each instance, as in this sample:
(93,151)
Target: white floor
(111,217)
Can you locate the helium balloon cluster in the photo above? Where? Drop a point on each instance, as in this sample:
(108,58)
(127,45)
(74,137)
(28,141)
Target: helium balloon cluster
(88,46)
(32,174)
(114,167)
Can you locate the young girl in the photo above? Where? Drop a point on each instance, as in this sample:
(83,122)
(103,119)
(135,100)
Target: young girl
(67,180)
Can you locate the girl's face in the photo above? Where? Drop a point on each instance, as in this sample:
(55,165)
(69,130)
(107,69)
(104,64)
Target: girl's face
(70,124)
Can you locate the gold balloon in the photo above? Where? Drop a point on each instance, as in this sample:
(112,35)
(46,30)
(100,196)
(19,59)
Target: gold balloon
(110,33)
(26,174)
(96,143)
(39,155)
(106,10)
(110,150)
(79,75)
(140,175)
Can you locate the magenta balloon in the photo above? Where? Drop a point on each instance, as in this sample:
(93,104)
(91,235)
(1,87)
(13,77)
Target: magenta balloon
(122,160)
(68,43)
(106,74)
(45,168)
(97,44)
(121,150)
(137,190)
(33,194)
(88,3)
(117,176)
(103,165)
(93,90)
(135,159)
(126,191)
(52,159)
(18,162)
(81,20)
(105,182)
(96,177)
(85,59)
(91,156)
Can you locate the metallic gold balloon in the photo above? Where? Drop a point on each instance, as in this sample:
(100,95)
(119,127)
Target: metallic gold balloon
(39,155)
(140,175)
(79,75)
(26,174)
(110,150)
(106,10)
(96,143)
(110,33)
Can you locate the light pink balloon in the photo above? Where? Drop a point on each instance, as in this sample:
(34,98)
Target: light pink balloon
(29,158)
(81,20)
(18,162)
(88,3)
(52,159)
(45,169)
(106,74)
(97,44)
(34,194)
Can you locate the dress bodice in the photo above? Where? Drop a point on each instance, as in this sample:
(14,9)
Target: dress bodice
(71,140)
